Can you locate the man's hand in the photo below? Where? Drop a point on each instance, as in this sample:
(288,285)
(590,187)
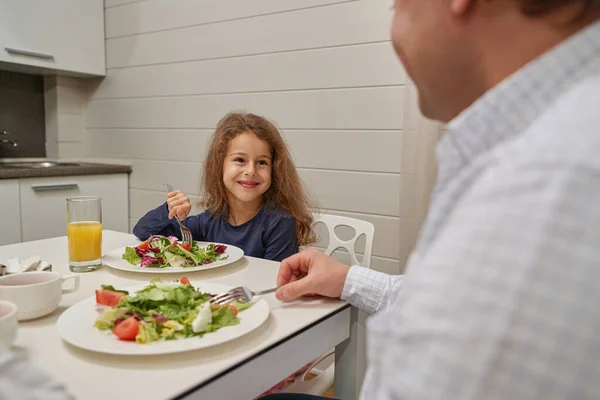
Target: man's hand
(310,272)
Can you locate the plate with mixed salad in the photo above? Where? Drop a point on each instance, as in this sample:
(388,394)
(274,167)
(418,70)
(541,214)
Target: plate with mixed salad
(160,317)
(166,254)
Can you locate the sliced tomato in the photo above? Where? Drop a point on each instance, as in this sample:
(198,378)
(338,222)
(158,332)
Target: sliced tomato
(128,329)
(143,246)
(108,297)
(234,308)
(185,281)
(183,246)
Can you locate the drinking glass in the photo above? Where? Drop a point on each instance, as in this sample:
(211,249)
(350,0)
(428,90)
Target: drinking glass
(84,231)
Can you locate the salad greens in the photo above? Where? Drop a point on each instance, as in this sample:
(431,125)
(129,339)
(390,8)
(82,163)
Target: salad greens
(163,311)
(161,252)
(112,289)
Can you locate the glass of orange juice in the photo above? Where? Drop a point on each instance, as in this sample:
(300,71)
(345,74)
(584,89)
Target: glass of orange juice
(84,231)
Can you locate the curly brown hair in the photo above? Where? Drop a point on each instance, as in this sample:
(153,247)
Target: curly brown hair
(286,192)
(540,7)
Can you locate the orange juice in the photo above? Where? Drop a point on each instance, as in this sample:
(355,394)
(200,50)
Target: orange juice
(85,241)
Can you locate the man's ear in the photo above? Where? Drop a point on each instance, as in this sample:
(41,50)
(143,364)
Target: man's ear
(460,7)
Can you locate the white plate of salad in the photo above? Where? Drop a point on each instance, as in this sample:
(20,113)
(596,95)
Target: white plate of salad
(166,254)
(161,317)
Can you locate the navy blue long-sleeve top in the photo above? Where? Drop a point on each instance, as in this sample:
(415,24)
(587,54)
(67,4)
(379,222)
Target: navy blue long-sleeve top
(270,234)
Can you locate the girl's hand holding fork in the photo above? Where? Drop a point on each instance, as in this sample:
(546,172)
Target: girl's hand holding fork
(179,205)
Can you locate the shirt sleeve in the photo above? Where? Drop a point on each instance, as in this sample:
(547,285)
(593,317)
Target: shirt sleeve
(280,239)
(370,290)
(157,222)
(20,380)
(503,303)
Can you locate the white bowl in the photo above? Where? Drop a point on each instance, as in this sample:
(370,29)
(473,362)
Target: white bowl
(35,293)
(8,323)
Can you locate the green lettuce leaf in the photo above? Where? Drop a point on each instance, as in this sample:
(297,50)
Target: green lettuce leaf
(221,317)
(154,294)
(240,306)
(112,289)
(131,256)
(178,250)
(174,260)
(147,333)
(174,311)
(108,318)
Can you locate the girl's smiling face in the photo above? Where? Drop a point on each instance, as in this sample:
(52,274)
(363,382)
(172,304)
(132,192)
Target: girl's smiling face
(247,168)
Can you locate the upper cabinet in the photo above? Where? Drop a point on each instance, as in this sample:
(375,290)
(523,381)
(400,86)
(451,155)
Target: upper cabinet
(53,37)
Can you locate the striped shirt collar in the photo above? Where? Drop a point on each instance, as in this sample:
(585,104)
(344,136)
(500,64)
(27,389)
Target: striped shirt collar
(514,104)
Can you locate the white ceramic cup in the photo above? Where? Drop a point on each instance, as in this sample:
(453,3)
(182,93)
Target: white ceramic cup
(8,323)
(35,293)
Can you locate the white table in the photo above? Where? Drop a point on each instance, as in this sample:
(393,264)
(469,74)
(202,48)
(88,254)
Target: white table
(294,334)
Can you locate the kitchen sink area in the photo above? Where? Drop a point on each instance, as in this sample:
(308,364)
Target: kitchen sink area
(38,164)
(11,168)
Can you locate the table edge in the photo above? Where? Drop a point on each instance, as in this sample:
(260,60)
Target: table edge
(258,354)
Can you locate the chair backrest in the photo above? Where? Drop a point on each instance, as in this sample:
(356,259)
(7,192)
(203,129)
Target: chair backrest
(335,242)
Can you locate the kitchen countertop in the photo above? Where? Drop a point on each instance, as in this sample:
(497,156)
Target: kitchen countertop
(82,168)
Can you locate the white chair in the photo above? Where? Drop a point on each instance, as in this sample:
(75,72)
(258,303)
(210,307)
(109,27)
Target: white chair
(319,385)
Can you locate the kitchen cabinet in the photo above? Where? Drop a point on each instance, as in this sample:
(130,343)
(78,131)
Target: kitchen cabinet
(58,36)
(10,212)
(36,208)
(43,203)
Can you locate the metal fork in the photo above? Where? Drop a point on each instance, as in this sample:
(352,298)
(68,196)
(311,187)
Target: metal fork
(186,234)
(241,294)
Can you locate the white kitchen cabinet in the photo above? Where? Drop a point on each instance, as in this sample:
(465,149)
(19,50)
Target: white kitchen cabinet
(53,36)
(44,203)
(10,212)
